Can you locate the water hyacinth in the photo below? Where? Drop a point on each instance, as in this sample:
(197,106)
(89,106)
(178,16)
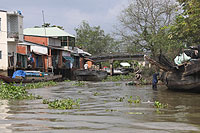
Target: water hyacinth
(40,85)
(63,104)
(9,91)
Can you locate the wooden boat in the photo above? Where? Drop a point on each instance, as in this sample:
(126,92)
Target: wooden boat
(30,79)
(90,75)
(183,77)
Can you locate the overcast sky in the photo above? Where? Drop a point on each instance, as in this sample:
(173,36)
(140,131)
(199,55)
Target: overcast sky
(67,13)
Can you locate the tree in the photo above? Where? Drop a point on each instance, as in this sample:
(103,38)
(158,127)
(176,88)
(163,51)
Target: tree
(142,22)
(187,25)
(49,25)
(93,39)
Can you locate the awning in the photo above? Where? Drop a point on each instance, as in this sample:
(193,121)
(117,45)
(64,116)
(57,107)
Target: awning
(39,49)
(68,58)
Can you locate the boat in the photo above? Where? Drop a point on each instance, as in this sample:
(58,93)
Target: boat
(31,77)
(185,76)
(90,75)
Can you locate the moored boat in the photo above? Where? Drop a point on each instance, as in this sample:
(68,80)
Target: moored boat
(180,77)
(90,75)
(30,77)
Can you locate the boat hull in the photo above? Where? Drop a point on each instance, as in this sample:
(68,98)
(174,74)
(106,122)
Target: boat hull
(30,79)
(90,75)
(176,81)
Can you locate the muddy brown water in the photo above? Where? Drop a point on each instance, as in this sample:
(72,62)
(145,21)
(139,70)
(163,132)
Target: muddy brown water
(104,112)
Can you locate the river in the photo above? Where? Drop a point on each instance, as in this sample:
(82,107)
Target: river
(102,111)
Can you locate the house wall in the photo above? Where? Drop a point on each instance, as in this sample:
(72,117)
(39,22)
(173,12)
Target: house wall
(22,49)
(38,40)
(20,28)
(12,50)
(3,41)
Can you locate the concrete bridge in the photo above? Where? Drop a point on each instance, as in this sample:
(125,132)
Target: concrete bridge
(112,58)
(138,57)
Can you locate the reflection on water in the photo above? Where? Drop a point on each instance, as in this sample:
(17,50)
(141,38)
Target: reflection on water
(104,112)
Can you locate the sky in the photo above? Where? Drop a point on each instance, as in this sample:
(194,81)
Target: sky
(68,13)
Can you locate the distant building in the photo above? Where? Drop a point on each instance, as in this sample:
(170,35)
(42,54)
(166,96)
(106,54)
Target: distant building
(11,33)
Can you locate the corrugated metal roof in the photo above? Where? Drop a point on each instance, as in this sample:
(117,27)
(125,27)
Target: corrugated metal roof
(47,32)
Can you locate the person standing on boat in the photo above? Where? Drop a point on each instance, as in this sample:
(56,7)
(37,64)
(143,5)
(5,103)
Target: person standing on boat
(155,81)
(86,66)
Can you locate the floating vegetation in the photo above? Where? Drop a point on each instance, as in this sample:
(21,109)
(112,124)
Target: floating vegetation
(63,104)
(9,91)
(40,85)
(131,100)
(96,94)
(120,99)
(119,78)
(79,83)
(157,104)
(79,92)
(135,113)
(67,80)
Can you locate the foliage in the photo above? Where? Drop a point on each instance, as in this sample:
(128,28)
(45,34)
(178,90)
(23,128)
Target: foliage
(187,25)
(131,100)
(79,83)
(93,39)
(9,91)
(40,85)
(141,24)
(63,104)
(157,104)
(96,93)
(119,78)
(49,25)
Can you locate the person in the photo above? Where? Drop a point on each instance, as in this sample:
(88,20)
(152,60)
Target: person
(155,81)
(86,66)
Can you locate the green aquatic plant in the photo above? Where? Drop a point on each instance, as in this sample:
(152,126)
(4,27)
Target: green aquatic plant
(40,85)
(67,80)
(96,93)
(119,78)
(120,99)
(63,104)
(131,100)
(79,83)
(9,91)
(79,92)
(157,104)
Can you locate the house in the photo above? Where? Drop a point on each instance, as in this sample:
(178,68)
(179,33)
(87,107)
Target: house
(11,33)
(50,49)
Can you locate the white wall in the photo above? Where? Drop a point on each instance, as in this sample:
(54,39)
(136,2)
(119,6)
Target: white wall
(20,27)
(3,41)
(12,48)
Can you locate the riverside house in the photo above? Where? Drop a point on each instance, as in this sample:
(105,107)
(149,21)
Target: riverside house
(11,33)
(50,49)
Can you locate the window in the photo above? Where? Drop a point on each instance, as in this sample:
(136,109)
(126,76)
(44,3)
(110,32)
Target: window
(0,54)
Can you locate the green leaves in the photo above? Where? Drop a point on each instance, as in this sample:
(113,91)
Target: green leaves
(187,24)
(63,104)
(9,91)
(93,39)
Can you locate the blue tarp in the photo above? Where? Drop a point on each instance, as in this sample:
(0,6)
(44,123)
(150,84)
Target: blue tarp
(19,73)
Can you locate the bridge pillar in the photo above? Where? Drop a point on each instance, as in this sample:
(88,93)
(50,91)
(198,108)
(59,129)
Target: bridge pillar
(111,67)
